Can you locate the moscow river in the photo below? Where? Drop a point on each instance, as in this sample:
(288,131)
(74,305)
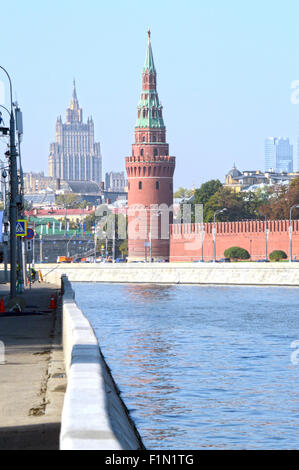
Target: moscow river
(202,367)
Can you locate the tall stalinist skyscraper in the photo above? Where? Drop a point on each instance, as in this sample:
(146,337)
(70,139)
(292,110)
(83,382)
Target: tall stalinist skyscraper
(75,156)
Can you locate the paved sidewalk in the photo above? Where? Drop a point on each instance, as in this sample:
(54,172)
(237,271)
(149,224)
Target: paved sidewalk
(32,379)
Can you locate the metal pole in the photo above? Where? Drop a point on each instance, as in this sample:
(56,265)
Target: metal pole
(5,241)
(295,206)
(290,232)
(40,248)
(13,208)
(214,238)
(13,196)
(67,245)
(24,253)
(65,222)
(21,254)
(150,236)
(113,247)
(214,230)
(266,236)
(5,235)
(145,237)
(33,250)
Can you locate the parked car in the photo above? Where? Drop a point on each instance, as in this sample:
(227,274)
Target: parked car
(224,260)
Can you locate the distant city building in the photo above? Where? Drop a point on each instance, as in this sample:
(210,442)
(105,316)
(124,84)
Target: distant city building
(36,182)
(73,215)
(42,199)
(251,180)
(115,181)
(278,155)
(75,156)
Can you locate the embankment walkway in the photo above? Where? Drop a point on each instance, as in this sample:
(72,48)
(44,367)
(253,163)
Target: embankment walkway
(32,378)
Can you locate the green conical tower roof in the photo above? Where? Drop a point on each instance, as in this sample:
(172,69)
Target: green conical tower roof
(149,107)
(149,59)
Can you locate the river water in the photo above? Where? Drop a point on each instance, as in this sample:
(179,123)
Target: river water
(202,367)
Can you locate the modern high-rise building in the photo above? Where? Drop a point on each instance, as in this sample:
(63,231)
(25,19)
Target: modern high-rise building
(278,155)
(75,156)
(150,172)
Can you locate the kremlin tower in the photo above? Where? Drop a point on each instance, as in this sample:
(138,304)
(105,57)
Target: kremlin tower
(150,172)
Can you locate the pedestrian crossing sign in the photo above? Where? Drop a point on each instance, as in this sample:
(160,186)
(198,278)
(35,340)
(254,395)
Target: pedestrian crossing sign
(21,228)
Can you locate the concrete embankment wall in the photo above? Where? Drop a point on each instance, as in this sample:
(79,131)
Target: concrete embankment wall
(94,416)
(264,274)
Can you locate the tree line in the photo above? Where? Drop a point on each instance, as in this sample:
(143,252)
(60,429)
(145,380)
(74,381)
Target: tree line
(273,202)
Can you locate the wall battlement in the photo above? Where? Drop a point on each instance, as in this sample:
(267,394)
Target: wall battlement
(247,226)
(186,243)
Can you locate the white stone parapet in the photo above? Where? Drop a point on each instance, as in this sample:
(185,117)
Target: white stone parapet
(242,273)
(94,416)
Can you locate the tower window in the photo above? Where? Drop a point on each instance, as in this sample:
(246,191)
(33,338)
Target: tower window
(154,138)
(157,185)
(155,152)
(140,185)
(143,139)
(141,152)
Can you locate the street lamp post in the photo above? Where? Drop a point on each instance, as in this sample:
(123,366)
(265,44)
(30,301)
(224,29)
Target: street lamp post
(65,220)
(291,231)
(95,245)
(266,236)
(113,246)
(202,237)
(5,222)
(150,232)
(67,245)
(13,196)
(220,211)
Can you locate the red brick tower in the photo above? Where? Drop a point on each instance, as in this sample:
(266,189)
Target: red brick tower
(150,172)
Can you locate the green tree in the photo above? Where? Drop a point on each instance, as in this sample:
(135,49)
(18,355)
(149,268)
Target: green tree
(90,221)
(83,204)
(27,205)
(70,201)
(183,193)
(206,191)
(203,194)
(280,199)
(237,204)
(123,248)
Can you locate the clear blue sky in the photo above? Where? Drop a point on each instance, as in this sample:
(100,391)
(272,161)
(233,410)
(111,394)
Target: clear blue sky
(224,74)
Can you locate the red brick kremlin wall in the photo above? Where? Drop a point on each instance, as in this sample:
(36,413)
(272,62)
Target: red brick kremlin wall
(185,240)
